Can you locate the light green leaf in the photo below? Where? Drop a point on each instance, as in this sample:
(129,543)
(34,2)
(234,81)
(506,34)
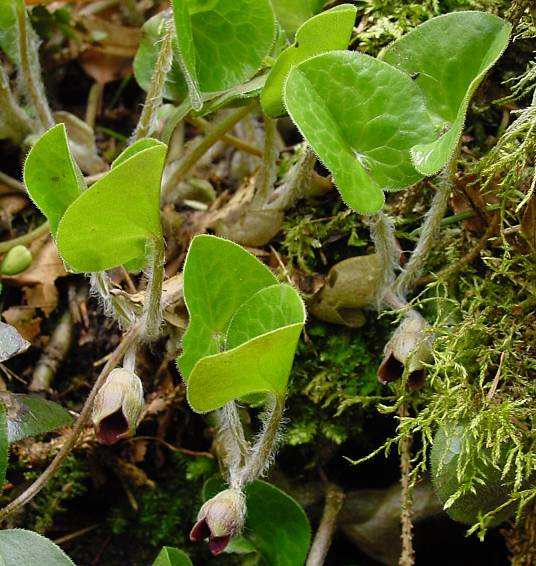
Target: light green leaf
(7,13)
(448,71)
(28,415)
(19,547)
(51,175)
(222,43)
(276,525)
(136,147)
(292,13)
(361,117)
(326,32)
(172,557)
(111,223)
(219,276)
(4,446)
(261,365)
(145,60)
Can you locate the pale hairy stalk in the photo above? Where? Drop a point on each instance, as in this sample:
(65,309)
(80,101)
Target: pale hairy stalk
(14,122)
(328,524)
(152,305)
(268,175)
(203,145)
(31,72)
(235,444)
(430,230)
(382,232)
(101,287)
(407,556)
(260,457)
(29,493)
(153,100)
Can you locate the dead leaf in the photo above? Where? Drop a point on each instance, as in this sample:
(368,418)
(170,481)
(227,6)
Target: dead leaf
(24,319)
(11,342)
(528,223)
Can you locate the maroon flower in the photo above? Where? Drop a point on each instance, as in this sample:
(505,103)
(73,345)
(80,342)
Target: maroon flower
(220,518)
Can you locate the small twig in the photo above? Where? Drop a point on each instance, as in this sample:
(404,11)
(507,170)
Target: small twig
(76,534)
(173,448)
(13,183)
(30,72)
(407,556)
(328,524)
(495,382)
(25,239)
(93,104)
(29,493)
(466,259)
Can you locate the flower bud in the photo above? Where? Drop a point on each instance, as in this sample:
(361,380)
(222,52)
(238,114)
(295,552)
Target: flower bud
(117,407)
(409,349)
(17,260)
(220,518)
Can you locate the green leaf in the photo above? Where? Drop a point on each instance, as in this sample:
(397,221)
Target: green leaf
(7,13)
(448,71)
(326,32)
(292,13)
(136,147)
(276,525)
(51,175)
(222,43)
(145,60)
(261,365)
(219,276)
(172,557)
(4,446)
(28,415)
(361,117)
(111,223)
(19,547)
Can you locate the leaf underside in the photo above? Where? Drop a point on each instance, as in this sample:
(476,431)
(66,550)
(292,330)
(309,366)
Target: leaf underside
(20,547)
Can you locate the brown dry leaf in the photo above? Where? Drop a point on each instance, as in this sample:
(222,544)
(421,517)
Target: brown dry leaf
(9,206)
(468,198)
(24,320)
(528,223)
(44,297)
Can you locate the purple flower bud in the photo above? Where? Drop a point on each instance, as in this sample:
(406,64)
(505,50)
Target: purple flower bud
(220,518)
(118,406)
(409,349)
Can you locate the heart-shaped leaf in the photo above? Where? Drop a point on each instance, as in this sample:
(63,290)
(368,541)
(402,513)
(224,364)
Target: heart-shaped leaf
(221,43)
(219,276)
(111,223)
(292,13)
(51,175)
(169,556)
(325,32)
(448,57)
(361,116)
(244,327)
(28,415)
(145,60)
(277,527)
(18,547)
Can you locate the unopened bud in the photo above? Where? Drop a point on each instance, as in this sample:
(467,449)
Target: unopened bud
(220,518)
(409,349)
(17,260)
(118,406)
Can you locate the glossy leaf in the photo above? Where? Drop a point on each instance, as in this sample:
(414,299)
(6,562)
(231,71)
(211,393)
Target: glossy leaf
(326,32)
(111,223)
(169,556)
(448,71)
(218,277)
(361,116)
(221,43)
(292,13)
(51,175)
(28,415)
(19,547)
(276,525)
(145,60)
(4,446)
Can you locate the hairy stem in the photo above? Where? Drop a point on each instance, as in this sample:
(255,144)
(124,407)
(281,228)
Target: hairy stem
(30,72)
(153,99)
(235,444)
(407,556)
(29,493)
(152,306)
(261,454)
(430,230)
(14,123)
(268,175)
(100,285)
(203,145)
(328,524)
(384,241)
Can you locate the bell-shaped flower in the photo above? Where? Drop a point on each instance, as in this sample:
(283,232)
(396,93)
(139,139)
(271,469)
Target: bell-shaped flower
(118,406)
(408,350)
(219,519)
